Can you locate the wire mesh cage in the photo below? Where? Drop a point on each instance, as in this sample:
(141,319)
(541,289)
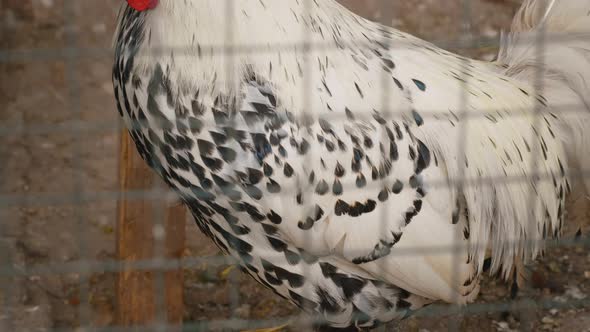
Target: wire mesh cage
(92,239)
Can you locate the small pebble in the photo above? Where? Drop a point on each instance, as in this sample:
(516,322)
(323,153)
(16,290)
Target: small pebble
(502,326)
(575,293)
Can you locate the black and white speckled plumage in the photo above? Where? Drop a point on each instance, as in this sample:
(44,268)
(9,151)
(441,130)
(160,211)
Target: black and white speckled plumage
(316,195)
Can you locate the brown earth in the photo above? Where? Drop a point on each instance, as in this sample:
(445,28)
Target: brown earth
(59,132)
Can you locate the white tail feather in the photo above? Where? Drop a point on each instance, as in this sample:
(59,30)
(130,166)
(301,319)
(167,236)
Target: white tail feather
(560,66)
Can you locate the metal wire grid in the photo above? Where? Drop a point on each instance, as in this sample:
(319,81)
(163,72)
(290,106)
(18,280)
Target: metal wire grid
(85,266)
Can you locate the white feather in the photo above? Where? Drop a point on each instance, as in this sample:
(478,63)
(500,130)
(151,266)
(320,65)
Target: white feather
(508,209)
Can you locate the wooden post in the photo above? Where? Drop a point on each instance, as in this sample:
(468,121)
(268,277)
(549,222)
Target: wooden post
(136,294)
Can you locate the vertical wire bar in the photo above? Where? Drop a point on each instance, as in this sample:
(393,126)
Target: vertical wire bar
(306,109)
(159,235)
(6,292)
(74,105)
(386,9)
(538,88)
(466,39)
(5,279)
(233,85)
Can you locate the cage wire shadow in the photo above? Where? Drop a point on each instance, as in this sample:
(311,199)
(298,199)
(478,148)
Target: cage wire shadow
(86,266)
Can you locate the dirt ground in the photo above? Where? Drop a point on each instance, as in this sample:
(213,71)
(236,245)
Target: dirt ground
(58,173)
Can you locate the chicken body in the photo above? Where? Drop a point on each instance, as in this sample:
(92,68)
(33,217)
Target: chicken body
(355,170)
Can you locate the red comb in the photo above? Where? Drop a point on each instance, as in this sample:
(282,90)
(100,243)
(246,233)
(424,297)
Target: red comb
(140,5)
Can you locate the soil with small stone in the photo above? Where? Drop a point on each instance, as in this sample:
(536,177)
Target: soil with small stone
(59,131)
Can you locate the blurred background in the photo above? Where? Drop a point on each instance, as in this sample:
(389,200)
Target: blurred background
(59,136)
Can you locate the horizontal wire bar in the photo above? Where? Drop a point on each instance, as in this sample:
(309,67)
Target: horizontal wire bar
(44,54)
(76,126)
(164,264)
(53,198)
(188,326)
(479,308)
(432,310)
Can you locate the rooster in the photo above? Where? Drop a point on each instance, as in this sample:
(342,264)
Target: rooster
(355,170)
